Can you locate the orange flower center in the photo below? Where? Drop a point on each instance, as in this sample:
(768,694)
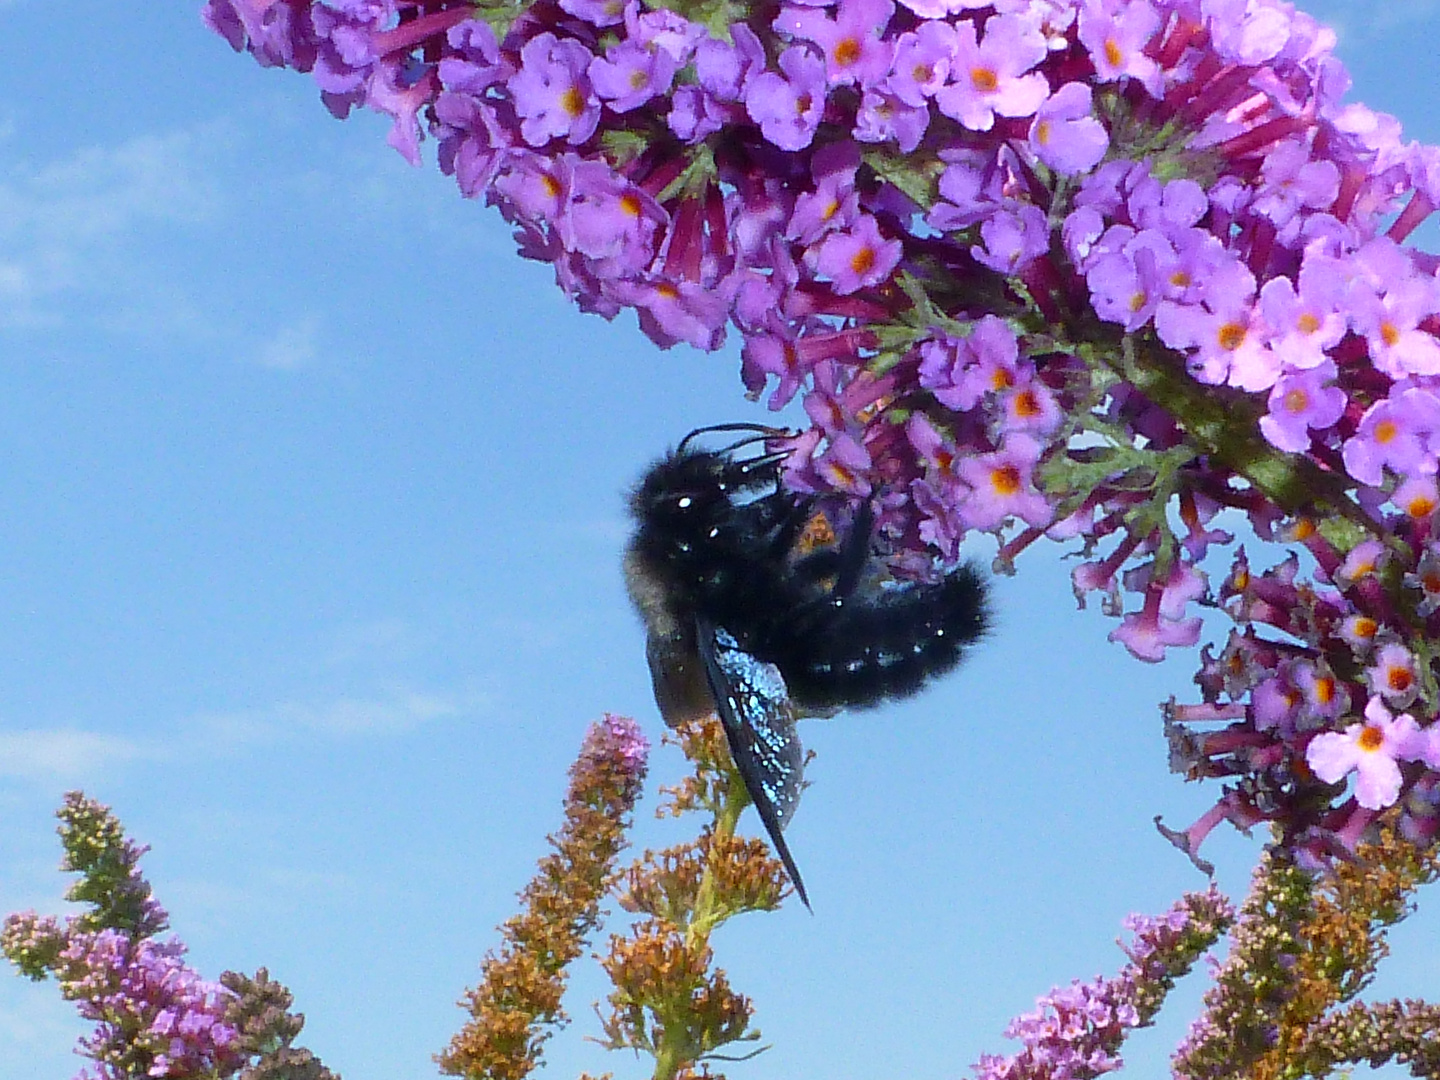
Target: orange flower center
(1399,679)
(1005,480)
(863,260)
(1422,506)
(1113,53)
(847,52)
(1371,739)
(1231,336)
(573,102)
(984,79)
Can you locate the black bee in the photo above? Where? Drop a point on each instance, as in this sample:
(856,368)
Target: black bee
(748,617)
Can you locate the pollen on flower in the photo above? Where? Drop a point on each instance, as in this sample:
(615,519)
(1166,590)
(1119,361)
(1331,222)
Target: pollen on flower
(572,101)
(1399,679)
(1027,405)
(1181,279)
(1324,689)
(1002,379)
(803,103)
(1389,333)
(1307,323)
(550,185)
(1231,336)
(1385,431)
(839,475)
(1005,480)
(1296,401)
(1042,132)
(630,204)
(667,291)
(1114,55)
(862,261)
(1371,739)
(1420,507)
(984,79)
(847,52)
(817,533)
(1362,626)
(1138,300)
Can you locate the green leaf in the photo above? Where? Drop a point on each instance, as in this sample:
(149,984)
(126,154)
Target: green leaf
(917,175)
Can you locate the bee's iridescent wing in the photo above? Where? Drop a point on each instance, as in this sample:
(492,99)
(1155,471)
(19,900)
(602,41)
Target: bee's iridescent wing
(759,724)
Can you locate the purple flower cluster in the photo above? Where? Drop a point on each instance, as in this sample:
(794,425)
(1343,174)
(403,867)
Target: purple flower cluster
(153,1015)
(1333,691)
(1094,270)
(1075,1032)
(616,743)
(148,1007)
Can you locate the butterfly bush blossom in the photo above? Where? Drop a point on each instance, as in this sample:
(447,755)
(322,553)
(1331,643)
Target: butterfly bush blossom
(1076,1031)
(1092,270)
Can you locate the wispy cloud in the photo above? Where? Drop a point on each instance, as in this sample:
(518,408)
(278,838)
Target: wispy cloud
(293,346)
(75,755)
(66,755)
(1361,21)
(71,225)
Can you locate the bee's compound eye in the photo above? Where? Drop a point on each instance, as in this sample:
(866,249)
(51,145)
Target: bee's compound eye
(684,502)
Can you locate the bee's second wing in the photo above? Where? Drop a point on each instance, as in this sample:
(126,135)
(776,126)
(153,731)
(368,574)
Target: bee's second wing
(759,723)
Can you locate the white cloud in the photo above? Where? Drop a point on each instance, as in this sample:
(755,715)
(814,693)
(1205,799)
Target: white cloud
(390,714)
(350,716)
(292,346)
(71,225)
(72,755)
(67,755)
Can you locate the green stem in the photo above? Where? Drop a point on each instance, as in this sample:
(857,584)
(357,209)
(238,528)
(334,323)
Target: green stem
(674,1049)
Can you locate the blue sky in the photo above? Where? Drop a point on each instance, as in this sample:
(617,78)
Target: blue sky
(312,499)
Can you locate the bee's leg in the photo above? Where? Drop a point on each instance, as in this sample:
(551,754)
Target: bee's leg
(854,552)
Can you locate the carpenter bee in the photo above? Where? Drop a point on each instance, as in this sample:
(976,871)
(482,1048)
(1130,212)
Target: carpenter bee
(750,616)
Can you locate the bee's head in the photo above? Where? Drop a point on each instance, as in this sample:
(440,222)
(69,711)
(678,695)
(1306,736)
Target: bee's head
(693,487)
(686,488)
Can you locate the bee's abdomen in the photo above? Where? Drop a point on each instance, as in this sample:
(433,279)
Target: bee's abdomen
(860,652)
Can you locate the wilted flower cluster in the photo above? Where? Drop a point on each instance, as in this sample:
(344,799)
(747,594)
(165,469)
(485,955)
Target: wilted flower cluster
(1076,1031)
(516,1007)
(1091,269)
(1282,1003)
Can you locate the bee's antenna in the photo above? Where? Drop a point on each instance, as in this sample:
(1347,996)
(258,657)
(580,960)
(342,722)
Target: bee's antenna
(759,433)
